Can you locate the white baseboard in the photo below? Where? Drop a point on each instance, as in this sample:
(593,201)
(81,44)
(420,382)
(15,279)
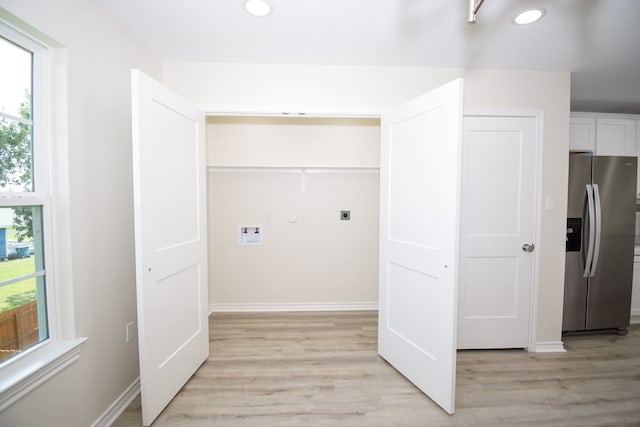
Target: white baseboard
(635,318)
(109,416)
(352,306)
(549,347)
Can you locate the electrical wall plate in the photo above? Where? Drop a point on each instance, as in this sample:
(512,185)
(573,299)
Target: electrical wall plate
(345,215)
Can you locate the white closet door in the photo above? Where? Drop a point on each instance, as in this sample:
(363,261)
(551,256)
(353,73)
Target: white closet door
(499,173)
(419,222)
(170,236)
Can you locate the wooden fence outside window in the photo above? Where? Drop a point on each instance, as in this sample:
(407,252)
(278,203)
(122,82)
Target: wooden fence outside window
(18,329)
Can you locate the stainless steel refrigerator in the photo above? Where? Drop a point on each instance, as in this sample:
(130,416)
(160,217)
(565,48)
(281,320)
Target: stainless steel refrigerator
(600,243)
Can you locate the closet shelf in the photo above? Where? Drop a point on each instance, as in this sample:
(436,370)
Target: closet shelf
(294,169)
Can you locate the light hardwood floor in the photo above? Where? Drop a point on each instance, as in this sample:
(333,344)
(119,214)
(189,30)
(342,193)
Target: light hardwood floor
(321,369)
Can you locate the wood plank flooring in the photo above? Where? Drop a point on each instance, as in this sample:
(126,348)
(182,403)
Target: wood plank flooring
(321,369)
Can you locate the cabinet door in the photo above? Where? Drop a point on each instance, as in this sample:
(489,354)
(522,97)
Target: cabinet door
(615,137)
(582,134)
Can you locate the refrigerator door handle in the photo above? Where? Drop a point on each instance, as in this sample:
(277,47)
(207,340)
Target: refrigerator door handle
(598,211)
(590,216)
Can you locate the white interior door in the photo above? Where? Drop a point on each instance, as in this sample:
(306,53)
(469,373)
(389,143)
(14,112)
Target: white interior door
(498,217)
(419,218)
(170,235)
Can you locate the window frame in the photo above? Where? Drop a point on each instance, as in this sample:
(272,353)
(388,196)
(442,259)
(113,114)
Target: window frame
(24,372)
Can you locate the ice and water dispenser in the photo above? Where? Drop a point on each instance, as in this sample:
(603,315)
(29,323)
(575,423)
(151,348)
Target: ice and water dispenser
(574,234)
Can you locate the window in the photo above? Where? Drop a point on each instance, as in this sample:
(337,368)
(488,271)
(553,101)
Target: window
(36,309)
(23,206)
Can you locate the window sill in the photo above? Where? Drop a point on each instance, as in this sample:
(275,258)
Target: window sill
(25,374)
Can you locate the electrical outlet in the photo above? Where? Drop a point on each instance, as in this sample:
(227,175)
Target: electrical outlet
(345,215)
(130,331)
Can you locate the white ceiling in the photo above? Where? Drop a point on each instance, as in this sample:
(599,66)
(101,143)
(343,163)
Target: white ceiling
(597,40)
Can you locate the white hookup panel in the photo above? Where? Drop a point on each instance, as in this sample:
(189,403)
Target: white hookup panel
(250,234)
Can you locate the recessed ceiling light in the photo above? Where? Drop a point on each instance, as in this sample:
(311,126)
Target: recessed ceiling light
(257,7)
(529,16)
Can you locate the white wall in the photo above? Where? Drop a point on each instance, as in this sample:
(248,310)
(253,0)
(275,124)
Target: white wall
(293,142)
(273,88)
(293,176)
(100,56)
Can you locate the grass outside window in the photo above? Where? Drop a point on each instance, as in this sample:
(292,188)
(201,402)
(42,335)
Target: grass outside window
(12,296)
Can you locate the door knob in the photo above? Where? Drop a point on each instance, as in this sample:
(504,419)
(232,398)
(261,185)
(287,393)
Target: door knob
(528,247)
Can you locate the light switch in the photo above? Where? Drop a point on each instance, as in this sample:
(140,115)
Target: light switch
(548,204)
(130,331)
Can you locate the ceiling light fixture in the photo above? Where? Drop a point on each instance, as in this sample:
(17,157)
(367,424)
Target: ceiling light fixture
(257,7)
(529,16)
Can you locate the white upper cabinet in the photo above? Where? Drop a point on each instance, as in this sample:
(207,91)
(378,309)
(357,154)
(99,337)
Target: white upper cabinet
(615,136)
(582,133)
(605,134)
